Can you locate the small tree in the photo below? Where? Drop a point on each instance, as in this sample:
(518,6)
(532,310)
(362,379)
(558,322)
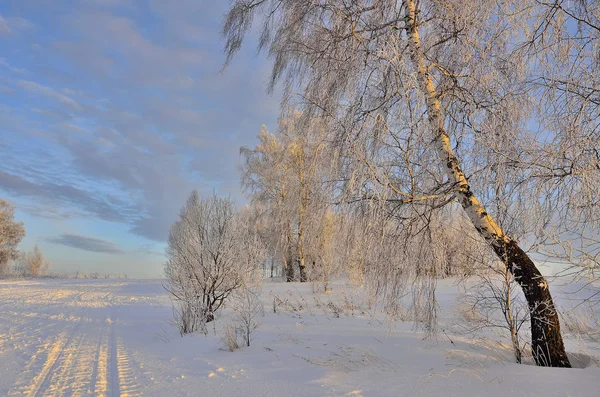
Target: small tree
(33,263)
(250,244)
(11,234)
(209,255)
(493,302)
(247,310)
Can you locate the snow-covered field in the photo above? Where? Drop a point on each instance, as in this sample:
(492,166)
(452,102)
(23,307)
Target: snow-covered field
(114,338)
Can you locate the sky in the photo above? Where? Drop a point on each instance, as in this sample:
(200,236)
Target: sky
(111,113)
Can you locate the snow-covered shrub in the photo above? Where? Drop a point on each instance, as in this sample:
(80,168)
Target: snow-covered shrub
(190,316)
(212,251)
(230,337)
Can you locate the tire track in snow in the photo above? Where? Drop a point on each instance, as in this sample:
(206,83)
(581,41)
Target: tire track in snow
(101,381)
(127,379)
(98,380)
(66,363)
(61,379)
(75,367)
(41,381)
(31,386)
(123,378)
(114,361)
(71,345)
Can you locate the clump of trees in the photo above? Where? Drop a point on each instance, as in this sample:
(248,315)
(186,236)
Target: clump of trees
(310,231)
(32,264)
(426,106)
(212,252)
(288,177)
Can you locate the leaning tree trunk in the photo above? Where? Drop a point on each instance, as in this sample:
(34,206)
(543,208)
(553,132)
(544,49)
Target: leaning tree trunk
(546,341)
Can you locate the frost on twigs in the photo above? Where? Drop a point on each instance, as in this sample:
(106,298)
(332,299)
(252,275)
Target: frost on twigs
(229,337)
(247,310)
(492,302)
(213,251)
(430,103)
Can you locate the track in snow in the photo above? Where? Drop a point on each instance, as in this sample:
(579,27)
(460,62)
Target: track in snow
(68,341)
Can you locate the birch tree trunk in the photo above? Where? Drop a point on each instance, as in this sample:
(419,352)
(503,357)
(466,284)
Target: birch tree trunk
(302,204)
(288,262)
(547,345)
(301,214)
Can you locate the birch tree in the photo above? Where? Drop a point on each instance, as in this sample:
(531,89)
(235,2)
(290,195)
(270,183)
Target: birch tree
(430,99)
(265,176)
(286,173)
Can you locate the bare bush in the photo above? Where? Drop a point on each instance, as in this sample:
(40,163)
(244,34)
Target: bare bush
(493,302)
(189,315)
(229,338)
(248,309)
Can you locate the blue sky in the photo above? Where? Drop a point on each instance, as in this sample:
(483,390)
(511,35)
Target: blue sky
(111,112)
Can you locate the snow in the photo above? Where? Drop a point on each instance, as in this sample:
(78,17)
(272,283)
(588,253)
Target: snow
(115,338)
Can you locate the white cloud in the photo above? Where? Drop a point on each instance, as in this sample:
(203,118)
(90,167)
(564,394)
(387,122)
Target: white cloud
(34,87)
(4,28)
(11,25)
(4,63)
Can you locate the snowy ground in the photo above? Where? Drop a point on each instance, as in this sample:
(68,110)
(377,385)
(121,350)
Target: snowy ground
(113,338)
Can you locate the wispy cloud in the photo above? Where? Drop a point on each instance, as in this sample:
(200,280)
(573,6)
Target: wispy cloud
(4,28)
(86,243)
(10,25)
(101,206)
(4,63)
(116,109)
(34,87)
